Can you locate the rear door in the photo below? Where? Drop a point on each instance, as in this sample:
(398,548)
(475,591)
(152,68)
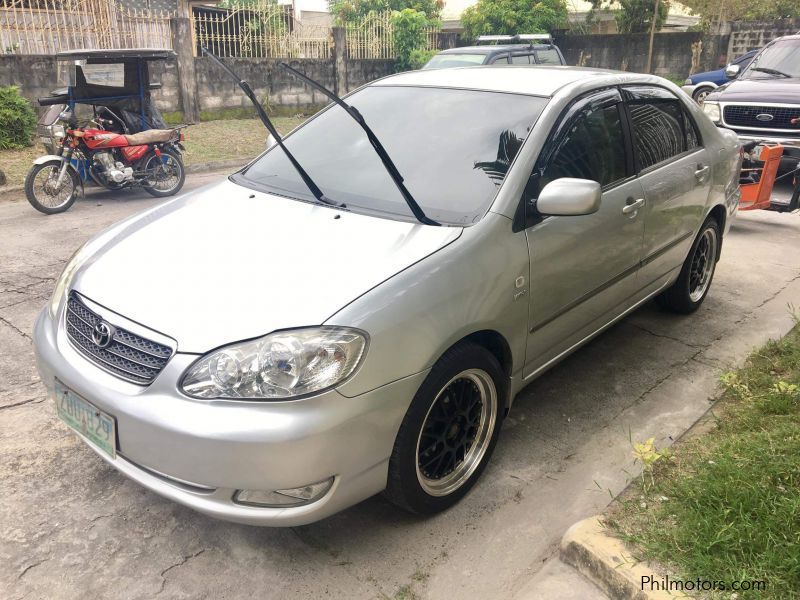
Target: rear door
(674,169)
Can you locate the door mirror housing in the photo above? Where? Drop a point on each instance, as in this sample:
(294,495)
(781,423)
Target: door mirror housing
(271,141)
(732,71)
(568,197)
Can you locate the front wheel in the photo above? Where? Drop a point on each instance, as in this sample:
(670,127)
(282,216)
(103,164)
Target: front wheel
(165,174)
(688,292)
(699,95)
(449,431)
(42,190)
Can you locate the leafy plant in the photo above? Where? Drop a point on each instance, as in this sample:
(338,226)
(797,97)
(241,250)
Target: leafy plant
(349,11)
(509,17)
(635,16)
(409,39)
(17,119)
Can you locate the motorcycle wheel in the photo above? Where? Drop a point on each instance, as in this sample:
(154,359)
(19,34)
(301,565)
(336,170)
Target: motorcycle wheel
(168,174)
(40,188)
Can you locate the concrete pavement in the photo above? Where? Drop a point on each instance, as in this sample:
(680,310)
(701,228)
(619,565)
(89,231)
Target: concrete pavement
(71,527)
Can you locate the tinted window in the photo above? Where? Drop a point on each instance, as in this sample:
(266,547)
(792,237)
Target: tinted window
(444,61)
(692,138)
(657,130)
(593,148)
(548,57)
(503,58)
(521,59)
(452,147)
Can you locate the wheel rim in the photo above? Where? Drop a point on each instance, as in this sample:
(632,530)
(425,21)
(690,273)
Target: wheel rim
(701,96)
(702,267)
(164,173)
(45,191)
(456,432)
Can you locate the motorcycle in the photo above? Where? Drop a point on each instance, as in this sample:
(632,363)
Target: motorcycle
(123,145)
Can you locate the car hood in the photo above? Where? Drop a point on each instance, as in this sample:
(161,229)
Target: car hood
(227,264)
(717,77)
(759,90)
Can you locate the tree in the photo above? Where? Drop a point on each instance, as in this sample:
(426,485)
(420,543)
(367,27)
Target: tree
(713,11)
(347,11)
(509,17)
(409,39)
(635,16)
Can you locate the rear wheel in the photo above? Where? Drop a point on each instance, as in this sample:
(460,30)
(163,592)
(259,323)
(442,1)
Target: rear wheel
(449,431)
(42,191)
(688,292)
(165,174)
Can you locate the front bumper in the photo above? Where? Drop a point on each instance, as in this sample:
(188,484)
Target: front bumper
(200,452)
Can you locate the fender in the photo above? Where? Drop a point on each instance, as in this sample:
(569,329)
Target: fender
(56,157)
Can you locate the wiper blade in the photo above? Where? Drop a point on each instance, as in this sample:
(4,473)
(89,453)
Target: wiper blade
(248,91)
(770,71)
(416,209)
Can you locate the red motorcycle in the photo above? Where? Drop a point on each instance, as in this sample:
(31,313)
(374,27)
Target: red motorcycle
(149,159)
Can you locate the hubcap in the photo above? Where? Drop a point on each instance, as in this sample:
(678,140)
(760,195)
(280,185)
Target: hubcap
(702,267)
(456,432)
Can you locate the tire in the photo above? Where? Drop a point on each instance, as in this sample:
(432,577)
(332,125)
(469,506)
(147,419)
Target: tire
(179,174)
(699,95)
(40,198)
(443,427)
(688,292)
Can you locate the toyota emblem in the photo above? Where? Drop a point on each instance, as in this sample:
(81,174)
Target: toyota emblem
(102,334)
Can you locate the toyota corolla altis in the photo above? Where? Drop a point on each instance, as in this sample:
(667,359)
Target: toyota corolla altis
(354,311)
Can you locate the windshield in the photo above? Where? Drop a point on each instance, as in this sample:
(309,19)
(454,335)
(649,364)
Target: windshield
(781,59)
(445,61)
(453,148)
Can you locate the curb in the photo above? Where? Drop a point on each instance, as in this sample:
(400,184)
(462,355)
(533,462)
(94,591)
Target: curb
(215,165)
(604,559)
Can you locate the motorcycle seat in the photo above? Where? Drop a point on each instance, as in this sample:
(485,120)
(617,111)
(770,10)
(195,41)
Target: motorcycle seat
(152,136)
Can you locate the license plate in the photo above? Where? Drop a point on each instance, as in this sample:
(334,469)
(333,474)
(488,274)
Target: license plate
(85,418)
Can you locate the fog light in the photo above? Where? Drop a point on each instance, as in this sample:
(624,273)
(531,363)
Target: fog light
(284,498)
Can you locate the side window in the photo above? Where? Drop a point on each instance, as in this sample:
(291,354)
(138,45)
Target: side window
(501,60)
(658,130)
(520,59)
(592,148)
(692,137)
(548,57)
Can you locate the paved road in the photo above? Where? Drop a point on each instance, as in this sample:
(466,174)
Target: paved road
(71,527)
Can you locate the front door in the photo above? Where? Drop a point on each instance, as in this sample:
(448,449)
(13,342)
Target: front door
(583,269)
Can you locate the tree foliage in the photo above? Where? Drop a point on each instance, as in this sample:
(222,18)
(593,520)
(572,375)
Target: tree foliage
(635,16)
(17,119)
(348,11)
(509,17)
(409,39)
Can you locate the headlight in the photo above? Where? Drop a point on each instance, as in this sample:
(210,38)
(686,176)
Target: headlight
(688,82)
(712,110)
(284,364)
(65,279)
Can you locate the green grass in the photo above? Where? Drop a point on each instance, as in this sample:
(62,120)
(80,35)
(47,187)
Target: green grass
(205,142)
(725,505)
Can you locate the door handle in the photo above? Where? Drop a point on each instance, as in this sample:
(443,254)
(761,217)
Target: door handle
(701,173)
(632,206)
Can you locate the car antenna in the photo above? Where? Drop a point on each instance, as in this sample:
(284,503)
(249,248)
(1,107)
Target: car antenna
(376,144)
(248,91)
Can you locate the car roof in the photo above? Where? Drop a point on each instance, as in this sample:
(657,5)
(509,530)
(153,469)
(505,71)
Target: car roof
(516,79)
(491,49)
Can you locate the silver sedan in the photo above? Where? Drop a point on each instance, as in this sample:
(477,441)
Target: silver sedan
(270,355)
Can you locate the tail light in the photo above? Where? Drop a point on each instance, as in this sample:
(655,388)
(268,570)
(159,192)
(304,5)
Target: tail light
(182,137)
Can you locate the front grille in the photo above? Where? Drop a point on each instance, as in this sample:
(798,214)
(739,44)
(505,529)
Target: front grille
(128,356)
(745,116)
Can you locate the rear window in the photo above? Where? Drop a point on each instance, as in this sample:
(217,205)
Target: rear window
(452,147)
(446,61)
(548,57)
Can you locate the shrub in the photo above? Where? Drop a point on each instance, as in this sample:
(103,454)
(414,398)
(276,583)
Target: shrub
(17,119)
(409,39)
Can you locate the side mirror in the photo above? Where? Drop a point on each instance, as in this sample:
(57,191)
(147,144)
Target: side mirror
(271,141)
(732,71)
(568,197)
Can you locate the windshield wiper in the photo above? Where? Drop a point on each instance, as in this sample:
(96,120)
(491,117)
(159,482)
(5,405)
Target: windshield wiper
(248,91)
(770,71)
(376,144)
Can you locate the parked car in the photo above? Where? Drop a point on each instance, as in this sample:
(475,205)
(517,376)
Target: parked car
(699,85)
(278,347)
(762,102)
(527,49)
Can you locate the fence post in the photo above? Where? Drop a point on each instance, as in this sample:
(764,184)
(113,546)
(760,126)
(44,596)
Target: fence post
(340,59)
(181,28)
